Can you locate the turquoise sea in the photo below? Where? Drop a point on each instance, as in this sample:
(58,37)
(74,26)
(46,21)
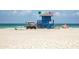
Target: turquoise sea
(70,25)
(4,26)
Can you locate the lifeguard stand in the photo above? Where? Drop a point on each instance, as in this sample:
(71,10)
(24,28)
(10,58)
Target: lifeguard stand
(46,21)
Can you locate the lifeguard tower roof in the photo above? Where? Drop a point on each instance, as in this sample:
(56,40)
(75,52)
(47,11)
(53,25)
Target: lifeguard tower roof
(47,14)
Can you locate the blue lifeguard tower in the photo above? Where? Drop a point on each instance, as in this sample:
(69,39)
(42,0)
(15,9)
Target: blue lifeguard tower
(46,21)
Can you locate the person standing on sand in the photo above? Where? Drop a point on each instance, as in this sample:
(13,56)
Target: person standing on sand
(65,26)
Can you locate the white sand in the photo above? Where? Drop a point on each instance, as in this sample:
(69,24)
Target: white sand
(39,38)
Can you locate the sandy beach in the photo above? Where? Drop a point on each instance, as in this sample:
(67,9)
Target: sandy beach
(39,38)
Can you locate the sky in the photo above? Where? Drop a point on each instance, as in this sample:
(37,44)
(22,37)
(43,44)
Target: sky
(21,16)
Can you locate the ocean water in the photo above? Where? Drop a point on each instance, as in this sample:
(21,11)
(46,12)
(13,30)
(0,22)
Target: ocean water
(70,25)
(10,26)
(6,26)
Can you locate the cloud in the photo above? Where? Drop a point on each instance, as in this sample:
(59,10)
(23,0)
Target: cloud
(76,14)
(61,14)
(25,12)
(20,12)
(14,12)
(57,14)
